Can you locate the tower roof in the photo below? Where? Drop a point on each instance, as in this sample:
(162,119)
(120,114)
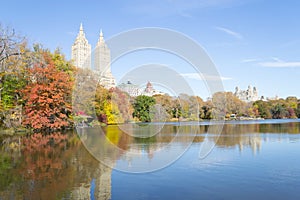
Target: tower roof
(149,84)
(101,38)
(81,27)
(81,32)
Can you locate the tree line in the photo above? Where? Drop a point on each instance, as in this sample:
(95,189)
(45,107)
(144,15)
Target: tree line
(38,88)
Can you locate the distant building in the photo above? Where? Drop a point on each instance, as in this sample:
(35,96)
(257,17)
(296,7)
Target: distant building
(81,56)
(102,63)
(81,51)
(272,98)
(247,95)
(150,91)
(134,90)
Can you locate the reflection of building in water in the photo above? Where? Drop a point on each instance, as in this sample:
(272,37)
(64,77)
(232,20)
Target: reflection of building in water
(81,192)
(253,140)
(247,95)
(104,185)
(99,186)
(70,172)
(243,136)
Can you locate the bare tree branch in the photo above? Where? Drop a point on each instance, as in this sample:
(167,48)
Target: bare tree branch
(9,45)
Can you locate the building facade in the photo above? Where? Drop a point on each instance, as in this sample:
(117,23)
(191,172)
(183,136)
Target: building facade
(81,56)
(81,51)
(251,94)
(134,90)
(102,60)
(130,88)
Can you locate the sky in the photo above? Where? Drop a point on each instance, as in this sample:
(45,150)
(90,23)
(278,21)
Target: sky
(251,42)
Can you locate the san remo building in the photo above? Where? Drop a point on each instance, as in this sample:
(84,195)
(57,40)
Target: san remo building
(81,57)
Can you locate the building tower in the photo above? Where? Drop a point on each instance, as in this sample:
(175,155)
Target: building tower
(102,63)
(81,51)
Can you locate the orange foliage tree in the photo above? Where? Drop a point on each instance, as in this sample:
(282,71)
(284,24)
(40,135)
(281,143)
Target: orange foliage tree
(47,96)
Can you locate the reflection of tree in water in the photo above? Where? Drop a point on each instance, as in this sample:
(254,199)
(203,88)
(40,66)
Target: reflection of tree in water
(58,166)
(239,135)
(280,128)
(54,166)
(249,135)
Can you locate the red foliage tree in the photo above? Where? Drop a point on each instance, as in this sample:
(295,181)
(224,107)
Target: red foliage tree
(47,97)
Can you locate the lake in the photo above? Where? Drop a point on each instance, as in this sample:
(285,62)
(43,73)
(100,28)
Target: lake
(247,160)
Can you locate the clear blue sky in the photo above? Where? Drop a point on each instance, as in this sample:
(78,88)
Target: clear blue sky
(253,42)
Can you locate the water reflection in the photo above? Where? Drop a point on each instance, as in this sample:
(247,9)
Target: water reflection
(51,167)
(58,166)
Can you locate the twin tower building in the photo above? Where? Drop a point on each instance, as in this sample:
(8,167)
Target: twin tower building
(82,58)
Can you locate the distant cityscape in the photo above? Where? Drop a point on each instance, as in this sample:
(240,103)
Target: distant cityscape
(81,57)
(251,94)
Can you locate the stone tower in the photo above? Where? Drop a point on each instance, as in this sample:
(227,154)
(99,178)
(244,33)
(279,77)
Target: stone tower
(102,63)
(81,51)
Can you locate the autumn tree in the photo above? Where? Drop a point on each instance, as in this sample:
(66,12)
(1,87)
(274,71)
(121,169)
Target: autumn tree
(206,111)
(176,109)
(298,109)
(166,102)
(47,96)
(123,101)
(292,106)
(263,109)
(84,91)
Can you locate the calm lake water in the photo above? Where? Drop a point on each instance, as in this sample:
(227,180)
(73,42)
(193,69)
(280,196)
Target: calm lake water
(250,160)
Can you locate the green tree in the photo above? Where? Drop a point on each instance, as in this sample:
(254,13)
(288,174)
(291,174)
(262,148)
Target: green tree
(263,109)
(13,75)
(278,111)
(141,106)
(176,109)
(206,111)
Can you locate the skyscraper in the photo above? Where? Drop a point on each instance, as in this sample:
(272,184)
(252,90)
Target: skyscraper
(81,51)
(102,63)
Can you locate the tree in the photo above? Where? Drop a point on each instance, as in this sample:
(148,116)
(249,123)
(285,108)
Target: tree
(278,111)
(102,98)
(85,89)
(206,110)
(12,74)
(9,45)
(47,97)
(123,102)
(298,110)
(166,102)
(263,109)
(228,103)
(141,106)
(176,109)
